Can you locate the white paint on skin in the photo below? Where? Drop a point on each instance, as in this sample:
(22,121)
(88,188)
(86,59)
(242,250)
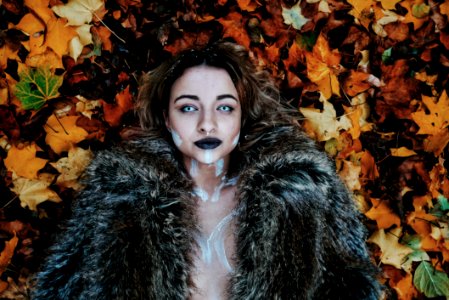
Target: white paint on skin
(219,167)
(208,156)
(236,140)
(176,138)
(202,194)
(215,243)
(217,192)
(193,168)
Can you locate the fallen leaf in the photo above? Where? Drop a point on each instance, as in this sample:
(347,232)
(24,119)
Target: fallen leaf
(72,166)
(350,174)
(79,12)
(323,66)
(24,161)
(324,124)
(431,282)
(40,8)
(389,4)
(113,112)
(32,192)
(417,22)
(7,253)
(438,118)
(233,25)
(402,152)
(405,289)
(63,134)
(383,214)
(293,16)
(59,36)
(393,252)
(36,86)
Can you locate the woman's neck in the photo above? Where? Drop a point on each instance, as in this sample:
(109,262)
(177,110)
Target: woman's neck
(209,179)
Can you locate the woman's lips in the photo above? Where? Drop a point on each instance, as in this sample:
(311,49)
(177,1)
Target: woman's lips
(208,143)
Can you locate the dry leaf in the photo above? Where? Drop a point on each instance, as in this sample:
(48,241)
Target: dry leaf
(350,173)
(24,161)
(438,118)
(402,152)
(72,167)
(383,214)
(7,253)
(293,16)
(79,12)
(324,125)
(393,253)
(63,134)
(31,192)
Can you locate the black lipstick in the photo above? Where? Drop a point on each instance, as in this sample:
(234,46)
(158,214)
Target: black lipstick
(208,143)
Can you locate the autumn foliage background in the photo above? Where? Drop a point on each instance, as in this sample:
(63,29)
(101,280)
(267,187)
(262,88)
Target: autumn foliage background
(370,78)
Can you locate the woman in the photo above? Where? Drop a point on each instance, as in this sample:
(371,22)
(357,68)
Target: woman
(223,198)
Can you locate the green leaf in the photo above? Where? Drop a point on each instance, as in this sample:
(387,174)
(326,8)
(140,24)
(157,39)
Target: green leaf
(420,10)
(386,55)
(36,86)
(430,281)
(294,17)
(444,203)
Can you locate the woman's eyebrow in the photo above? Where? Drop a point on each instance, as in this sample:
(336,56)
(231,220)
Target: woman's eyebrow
(225,96)
(192,97)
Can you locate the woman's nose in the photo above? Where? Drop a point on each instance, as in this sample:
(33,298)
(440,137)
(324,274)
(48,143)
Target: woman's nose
(207,123)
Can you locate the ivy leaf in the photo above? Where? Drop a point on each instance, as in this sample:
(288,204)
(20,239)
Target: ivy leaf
(36,86)
(430,281)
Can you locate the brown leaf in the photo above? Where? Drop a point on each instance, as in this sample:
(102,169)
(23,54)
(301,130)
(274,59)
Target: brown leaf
(7,253)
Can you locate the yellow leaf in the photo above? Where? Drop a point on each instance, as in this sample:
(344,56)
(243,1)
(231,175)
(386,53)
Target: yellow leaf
(402,152)
(63,133)
(79,12)
(362,11)
(383,214)
(350,173)
(24,161)
(7,53)
(72,167)
(323,66)
(389,4)
(409,17)
(30,24)
(40,7)
(393,253)
(438,118)
(32,192)
(59,35)
(324,125)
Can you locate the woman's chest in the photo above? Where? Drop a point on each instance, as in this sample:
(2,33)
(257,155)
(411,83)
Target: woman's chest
(215,248)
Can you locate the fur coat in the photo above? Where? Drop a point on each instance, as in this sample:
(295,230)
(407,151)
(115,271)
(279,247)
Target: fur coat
(298,233)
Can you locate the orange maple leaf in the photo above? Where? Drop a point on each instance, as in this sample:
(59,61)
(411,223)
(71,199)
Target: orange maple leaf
(63,133)
(7,253)
(323,66)
(59,35)
(113,112)
(437,120)
(383,214)
(24,161)
(404,288)
(234,27)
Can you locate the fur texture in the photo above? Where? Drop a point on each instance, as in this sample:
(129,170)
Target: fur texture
(131,235)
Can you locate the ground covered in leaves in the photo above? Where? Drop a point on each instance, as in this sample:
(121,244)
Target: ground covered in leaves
(370,78)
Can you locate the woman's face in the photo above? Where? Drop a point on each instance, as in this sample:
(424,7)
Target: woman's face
(204,114)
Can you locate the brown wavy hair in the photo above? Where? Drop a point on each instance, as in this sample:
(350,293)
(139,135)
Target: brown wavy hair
(258,95)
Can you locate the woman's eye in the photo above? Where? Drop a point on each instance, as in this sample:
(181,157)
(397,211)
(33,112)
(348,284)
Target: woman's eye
(225,108)
(188,108)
